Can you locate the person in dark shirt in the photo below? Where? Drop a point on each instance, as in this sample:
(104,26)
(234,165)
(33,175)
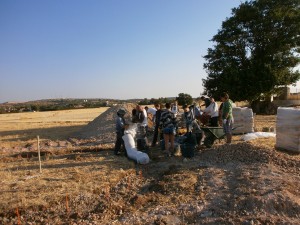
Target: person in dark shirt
(188,117)
(206,101)
(120,127)
(168,126)
(157,120)
(220,114)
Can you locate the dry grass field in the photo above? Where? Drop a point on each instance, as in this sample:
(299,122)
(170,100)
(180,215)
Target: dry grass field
(17,128)
(241,183)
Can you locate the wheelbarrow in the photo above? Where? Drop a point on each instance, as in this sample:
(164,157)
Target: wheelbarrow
(212,134)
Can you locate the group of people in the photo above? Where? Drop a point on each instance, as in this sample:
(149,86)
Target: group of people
(221,115)
(165,120)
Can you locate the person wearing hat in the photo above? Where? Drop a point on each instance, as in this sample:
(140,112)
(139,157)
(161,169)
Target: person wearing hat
(206,101)
(212,113)
(120,127)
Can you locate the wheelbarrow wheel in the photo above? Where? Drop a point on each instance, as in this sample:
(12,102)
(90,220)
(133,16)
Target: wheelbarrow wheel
(209,141)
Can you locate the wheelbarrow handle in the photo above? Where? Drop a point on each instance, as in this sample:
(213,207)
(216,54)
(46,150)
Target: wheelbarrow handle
(236,127)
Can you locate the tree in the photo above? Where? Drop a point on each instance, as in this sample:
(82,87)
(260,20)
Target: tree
(35,107)
(184,99)
(145,101)
(256,50)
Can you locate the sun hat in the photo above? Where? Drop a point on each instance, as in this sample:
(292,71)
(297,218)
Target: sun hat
(121,111)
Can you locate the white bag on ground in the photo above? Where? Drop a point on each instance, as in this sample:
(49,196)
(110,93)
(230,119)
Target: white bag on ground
(288,129)
(132,152)
(255,135)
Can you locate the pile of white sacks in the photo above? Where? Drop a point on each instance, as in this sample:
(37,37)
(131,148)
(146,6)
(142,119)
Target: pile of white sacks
(243,119)
(130,146)
(288,129)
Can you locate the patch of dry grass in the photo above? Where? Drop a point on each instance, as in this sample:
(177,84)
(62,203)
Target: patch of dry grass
(71,174)
(261,121)
(17,128)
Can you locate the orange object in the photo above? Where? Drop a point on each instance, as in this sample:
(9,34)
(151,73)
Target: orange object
(18,215)
(67,204)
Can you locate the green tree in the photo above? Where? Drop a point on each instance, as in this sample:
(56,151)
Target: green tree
(184,99)
(256,50)
(35,107)
(145,101)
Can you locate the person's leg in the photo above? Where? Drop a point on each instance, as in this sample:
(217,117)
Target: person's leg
(123,147)
(155,135)
(227,130)
(172,139)
(118,144)
(229,135)
(161,135)
(187,127)
(146,130)
(167,140)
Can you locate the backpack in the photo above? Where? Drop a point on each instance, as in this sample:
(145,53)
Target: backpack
(142,144)
(189,145)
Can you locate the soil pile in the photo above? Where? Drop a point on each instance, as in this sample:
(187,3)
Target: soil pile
(102,128)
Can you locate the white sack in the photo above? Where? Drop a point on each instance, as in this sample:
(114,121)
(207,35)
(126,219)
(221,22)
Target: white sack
(255,135)
(132,152)
(132,130)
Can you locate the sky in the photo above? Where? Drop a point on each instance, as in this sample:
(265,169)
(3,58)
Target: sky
(120,49)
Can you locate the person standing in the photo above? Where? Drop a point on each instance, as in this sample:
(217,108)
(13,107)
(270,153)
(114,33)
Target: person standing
(152,112)
(142,117)
(168,126)
(139,116)
(227,117)
(206,101)
(120,127)
(174,108)
(156,121)
(213,112)
(220,114)
(188,117)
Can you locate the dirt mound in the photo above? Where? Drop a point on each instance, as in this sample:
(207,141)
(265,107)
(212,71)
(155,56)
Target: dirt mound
(102,128)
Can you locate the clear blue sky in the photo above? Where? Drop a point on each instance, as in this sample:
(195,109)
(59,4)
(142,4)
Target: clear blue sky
(105,48)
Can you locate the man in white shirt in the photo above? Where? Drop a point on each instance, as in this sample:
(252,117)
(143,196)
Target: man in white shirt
(142,116)
(174,108)
(213,111)
(152,111)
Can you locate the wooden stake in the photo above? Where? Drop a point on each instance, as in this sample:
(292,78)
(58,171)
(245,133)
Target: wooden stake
(67,205)
(18,215)
(39,153)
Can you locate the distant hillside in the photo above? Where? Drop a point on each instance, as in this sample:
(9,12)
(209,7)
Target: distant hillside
(55,104)
(72,103)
